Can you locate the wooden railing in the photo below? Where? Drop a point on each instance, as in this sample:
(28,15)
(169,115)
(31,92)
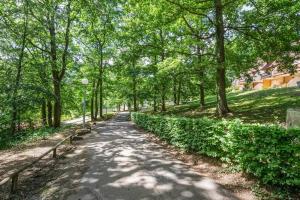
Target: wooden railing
(15,176)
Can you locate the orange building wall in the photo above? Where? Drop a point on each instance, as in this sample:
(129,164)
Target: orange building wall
(287,79)
(281,81)
(267,84)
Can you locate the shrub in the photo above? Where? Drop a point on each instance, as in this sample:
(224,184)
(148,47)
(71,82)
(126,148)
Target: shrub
(269,152)
(7,140)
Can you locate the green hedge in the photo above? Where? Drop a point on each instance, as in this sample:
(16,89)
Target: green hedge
(267,151)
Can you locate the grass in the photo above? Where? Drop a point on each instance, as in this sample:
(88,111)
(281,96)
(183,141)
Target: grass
(8,140)
(265,106)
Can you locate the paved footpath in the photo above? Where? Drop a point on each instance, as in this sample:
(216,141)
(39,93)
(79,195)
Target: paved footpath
(125,165)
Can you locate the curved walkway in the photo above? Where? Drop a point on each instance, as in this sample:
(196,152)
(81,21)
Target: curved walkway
(125,165)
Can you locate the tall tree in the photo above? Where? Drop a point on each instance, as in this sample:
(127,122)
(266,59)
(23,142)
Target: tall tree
(222,107)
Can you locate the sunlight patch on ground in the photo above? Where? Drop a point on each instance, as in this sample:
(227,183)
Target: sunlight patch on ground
(140,178)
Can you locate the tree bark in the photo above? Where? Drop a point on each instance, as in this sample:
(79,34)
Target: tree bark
(163,101)
(154,104)
(96,104)
(96,101)
(163,92)
(155,87)
(14,106)
(135,106)
(201,79)
(222,107)
(19,121)
(100,80)
(57,104)
(93,116)
(134,88)
(44,113)
(49,115)
(174,91)
(101,92)
(57,75)
(179,92)
(202,92)
(55,72)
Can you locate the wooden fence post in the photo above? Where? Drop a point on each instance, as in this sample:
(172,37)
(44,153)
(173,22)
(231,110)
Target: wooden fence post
(15,176)
(71,139)
(14,183)
(54,153)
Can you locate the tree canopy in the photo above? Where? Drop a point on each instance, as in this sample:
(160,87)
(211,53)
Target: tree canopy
(133,53)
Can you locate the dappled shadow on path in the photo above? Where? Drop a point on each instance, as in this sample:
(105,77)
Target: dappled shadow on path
(124,164)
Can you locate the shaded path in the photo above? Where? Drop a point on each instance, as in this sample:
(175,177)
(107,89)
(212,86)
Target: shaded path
(125,165)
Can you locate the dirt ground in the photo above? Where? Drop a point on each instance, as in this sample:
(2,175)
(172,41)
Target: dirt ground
(48,178)
(15,158)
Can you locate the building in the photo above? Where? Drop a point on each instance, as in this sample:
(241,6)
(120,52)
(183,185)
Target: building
(268,76)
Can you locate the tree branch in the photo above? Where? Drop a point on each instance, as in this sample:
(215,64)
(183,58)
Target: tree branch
(67,41)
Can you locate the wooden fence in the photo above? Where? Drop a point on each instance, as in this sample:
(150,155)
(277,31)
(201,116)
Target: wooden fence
(15,176)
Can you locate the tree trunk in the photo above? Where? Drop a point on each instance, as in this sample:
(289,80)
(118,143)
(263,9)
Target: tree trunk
(174,91)
(134,83)
(100,80)
(202,95)
(163,55)
(19,120)
(101,92)
(14,105)
(57,75)
(97,99)
(49,108)
(55,72)
(92,101)
(154,104)
(135,106)
(163,98)
(201,78)
(222,107)
(57,104)
(163,102)
(179,92)
(129,106)
(44,113)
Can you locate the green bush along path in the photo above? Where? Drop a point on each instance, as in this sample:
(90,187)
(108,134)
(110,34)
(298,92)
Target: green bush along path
(269,152)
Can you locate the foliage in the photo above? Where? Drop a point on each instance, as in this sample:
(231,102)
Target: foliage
(265,106)
(269,152)
(152,52)
(133,52)
(8,141)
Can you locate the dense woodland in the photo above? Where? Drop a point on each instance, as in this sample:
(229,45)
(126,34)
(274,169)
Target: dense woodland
(133,52)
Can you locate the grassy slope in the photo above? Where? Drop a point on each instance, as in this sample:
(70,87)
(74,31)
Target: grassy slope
(266,106)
